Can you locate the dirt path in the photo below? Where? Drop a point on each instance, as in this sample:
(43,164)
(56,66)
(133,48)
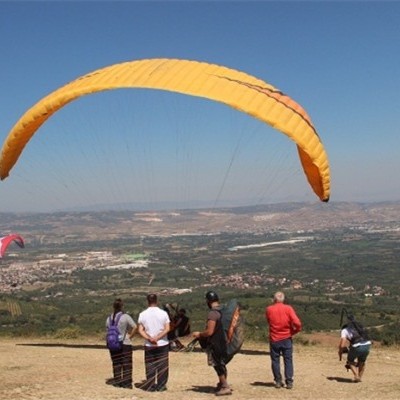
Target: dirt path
(78,371)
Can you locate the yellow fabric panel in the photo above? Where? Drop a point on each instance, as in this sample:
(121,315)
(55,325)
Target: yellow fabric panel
(234,88)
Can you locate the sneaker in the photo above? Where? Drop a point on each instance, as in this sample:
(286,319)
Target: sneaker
(279,385)
(224,391)
(289,385)
(125,385)
(161,389)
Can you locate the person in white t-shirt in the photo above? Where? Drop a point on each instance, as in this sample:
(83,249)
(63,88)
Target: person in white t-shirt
(355,335)
(154,325)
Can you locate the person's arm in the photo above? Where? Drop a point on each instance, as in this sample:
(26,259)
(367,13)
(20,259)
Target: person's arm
(133,330)
(209,331)
(131,327)
(162,333)
(266,315)
(295,322)
(178,322)
(143,334)
(342,347)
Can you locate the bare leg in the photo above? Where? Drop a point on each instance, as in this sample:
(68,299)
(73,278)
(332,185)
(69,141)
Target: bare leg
(223,381)
(354,370)
(223,386)
(361,369)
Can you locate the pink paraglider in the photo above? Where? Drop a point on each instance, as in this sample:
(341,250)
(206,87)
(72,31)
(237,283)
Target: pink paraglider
(6,240)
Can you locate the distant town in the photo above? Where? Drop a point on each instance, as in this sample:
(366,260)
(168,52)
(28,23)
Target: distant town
(66,237)
(28,275)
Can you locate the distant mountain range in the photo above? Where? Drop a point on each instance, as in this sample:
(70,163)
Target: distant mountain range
(255,219)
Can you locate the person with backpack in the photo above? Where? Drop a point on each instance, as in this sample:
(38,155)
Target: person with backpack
(174,342)
(180,327)
(182,323)
(212,339)
(355,334)
(154,325)
(120,329)
(283,325)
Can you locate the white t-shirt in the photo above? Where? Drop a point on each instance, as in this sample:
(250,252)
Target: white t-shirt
(347,334)
(154,320)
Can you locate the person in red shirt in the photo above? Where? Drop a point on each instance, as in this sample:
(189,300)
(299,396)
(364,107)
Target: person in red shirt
(283,325)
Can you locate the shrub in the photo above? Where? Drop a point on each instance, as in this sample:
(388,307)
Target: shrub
(70,332)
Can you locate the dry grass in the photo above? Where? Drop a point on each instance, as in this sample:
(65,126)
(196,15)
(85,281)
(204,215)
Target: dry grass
(72,370)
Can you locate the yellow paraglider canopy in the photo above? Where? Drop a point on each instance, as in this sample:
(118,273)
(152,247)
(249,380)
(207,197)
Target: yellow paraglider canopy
(234,88)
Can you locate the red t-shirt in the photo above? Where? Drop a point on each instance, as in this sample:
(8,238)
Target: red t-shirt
(283,322)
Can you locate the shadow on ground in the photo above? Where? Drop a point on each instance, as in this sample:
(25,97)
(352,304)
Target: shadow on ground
(340,379)
(202,389)
(136,347)
(263,384)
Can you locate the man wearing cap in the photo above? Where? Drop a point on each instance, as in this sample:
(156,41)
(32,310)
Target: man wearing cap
(283,325)
(213,340)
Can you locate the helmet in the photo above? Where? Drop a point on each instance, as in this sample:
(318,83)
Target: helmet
(211,296)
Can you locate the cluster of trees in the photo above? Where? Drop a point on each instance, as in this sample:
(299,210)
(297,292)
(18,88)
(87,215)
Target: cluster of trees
(67,317)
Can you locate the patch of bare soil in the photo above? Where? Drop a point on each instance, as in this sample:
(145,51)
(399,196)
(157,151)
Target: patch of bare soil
(46,370)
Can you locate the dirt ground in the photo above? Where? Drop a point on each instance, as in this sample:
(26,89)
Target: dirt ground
(45,369)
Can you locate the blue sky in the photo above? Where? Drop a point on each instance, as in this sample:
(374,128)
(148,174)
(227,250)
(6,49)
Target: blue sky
(339,60)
